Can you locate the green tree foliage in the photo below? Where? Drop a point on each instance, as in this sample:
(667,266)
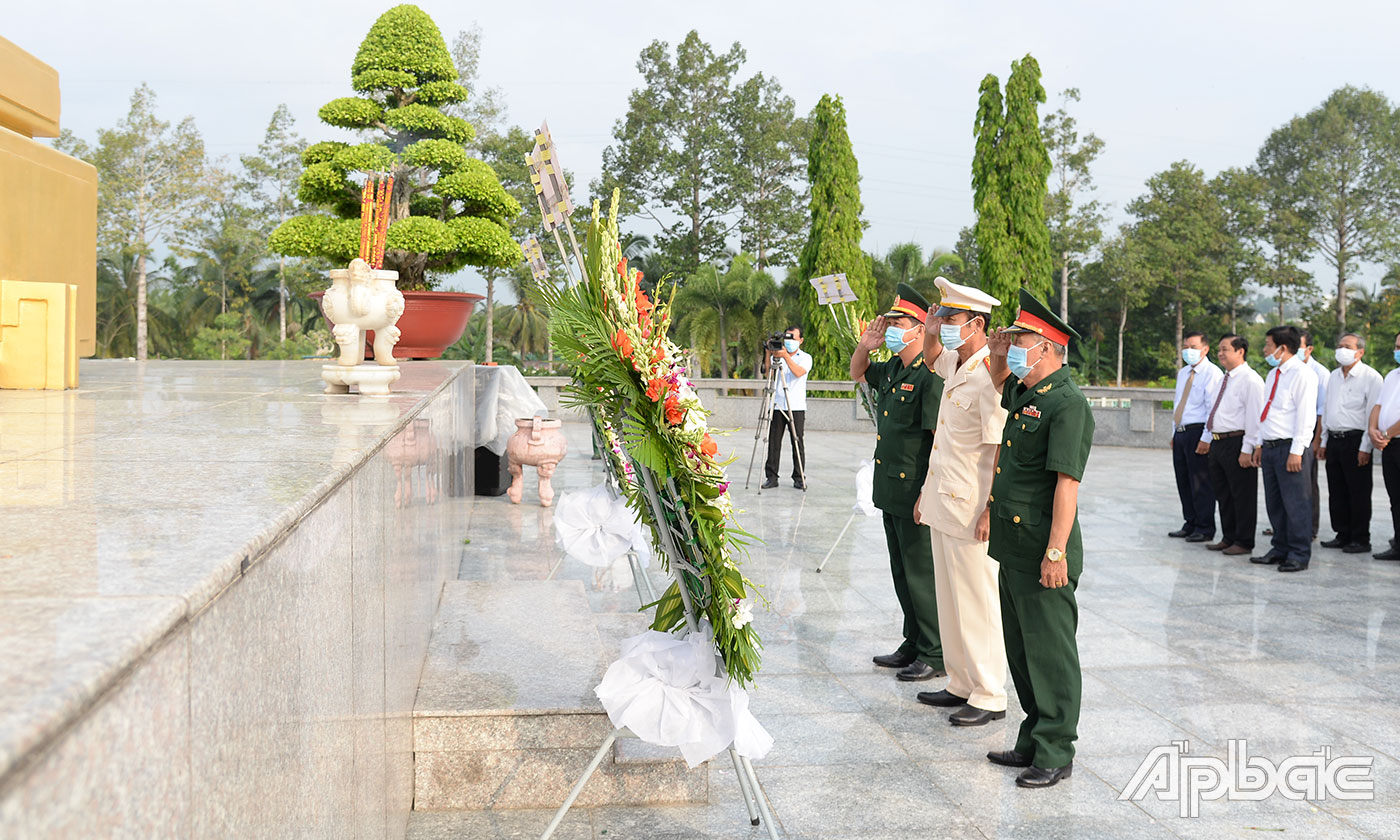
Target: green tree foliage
(701,157)
(223,340)
(715,311)
(833,234)
(152,184)
(1075,221)
(447,210)
(1118,283)
(1241,194)
(1181,241)
(1009,170)
(1338,166)
(272,174)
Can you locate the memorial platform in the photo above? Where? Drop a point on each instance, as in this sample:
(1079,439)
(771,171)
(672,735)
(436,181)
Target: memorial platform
(217,586)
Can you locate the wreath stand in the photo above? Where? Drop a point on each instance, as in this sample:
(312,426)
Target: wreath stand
(669,512)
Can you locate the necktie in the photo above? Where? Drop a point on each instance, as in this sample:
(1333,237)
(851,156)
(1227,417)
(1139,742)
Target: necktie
(1185,395)
(1210,421)
(1274,390)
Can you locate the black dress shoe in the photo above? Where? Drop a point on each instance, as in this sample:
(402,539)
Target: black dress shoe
(769,484)
(897,659)
(1356,548)
(1035,777)
(1293,567)
(1268,532)
(1266,559)
(799,485)
(1198,537)
(1391,553)
(1180,532)
(973,716)
(1237,549)
(917,671)
(1008,758)
(1335,542)
(940,698)
(1219,546)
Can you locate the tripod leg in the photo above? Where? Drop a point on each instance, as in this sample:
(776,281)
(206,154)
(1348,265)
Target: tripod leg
(765,413)
(762,799)
(578,787)
(744,788)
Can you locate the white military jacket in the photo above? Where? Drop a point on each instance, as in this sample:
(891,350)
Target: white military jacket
(970,420)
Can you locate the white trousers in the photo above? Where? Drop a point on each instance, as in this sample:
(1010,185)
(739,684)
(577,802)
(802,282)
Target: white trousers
(969,621)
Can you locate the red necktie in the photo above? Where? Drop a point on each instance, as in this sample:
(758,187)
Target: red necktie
(1210,421)
(1277,373)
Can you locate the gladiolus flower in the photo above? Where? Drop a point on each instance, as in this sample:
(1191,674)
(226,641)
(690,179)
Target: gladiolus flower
(622,267)
(644,304)
(659,354)
(708,446)
(675,415)
(655,389)
(622,344)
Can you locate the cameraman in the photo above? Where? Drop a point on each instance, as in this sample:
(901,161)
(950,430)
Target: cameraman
(789,397)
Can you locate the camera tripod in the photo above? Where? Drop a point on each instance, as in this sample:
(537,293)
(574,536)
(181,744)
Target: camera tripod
(765,416)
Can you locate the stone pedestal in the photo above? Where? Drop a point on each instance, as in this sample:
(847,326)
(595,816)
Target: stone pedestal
(371,380)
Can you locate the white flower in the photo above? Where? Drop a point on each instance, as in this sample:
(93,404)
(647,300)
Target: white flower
(743,613)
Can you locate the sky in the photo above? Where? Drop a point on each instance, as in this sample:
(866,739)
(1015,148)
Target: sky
(1160,82)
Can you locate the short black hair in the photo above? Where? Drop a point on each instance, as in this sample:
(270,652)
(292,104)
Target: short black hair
(1237,342)
(1305,338)
(1193,334)
(1286,336)
(797,328)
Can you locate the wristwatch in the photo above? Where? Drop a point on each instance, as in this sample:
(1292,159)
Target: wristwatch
(1054,555)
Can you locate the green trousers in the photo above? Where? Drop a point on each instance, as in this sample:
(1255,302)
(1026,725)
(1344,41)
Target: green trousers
(911,566)
(1039,625)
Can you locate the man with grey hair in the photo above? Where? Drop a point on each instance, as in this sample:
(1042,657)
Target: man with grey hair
(1345,447)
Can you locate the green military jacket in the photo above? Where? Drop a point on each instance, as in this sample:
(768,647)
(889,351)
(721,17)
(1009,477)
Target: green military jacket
(1049,430)
(906,414)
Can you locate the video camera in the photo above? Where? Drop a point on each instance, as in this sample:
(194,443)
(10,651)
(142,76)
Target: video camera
(774,342)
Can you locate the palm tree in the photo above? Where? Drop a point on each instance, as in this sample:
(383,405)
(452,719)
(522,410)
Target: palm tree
(716,309)
(525,327)
(116,309)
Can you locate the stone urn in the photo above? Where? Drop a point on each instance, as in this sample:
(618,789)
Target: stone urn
(537,443)
(362,300)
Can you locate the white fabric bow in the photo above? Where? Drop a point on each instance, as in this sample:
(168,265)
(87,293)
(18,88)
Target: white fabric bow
(596,528)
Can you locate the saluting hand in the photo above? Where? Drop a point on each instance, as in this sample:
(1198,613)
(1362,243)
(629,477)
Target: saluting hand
(874,334)
(1054,575)
(999,341)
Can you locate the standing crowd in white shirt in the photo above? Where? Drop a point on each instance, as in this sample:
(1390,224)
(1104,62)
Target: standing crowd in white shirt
(1232,425)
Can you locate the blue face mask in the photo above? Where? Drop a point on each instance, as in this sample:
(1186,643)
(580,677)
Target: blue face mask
(1273,360)
(1190,355)
(894,339)
(1016,360)
(790,345)
(951,335)
(1397,357)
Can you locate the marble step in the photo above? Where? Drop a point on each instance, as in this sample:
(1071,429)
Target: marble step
(506,717)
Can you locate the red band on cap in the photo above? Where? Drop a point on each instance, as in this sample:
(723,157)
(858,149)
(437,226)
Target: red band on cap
(1040,325)
(901,305)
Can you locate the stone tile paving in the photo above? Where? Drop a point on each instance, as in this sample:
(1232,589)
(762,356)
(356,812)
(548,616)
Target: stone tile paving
(1176,642)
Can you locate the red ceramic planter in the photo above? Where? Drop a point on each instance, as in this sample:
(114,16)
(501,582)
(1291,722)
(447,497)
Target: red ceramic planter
(431,323)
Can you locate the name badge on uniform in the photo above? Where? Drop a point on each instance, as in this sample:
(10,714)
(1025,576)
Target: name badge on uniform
(1031,411)
(905,386)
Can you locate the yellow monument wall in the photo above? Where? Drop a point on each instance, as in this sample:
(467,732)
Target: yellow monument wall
(48,235)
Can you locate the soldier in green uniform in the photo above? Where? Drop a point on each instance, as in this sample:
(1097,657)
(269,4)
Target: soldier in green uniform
(906,413)
(1033,520)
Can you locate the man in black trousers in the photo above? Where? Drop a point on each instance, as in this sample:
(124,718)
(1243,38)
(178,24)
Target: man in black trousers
(1352,388)
(789,398)
(1231,429)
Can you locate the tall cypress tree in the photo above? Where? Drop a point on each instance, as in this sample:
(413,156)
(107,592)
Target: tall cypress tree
(1010,168)
(833,240)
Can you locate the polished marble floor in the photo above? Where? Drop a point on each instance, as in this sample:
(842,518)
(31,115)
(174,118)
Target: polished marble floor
(1177,643)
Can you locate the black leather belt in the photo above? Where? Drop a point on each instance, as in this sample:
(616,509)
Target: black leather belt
(1186,427)
(1224,435)
(1270,444)
(1346,435)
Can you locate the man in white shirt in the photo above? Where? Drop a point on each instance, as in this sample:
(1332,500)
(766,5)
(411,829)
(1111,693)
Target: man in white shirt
(789,409)
(1322,373)
(1196,383)
(1384,426)
(1283,449)
(1346,447)
(1231,428)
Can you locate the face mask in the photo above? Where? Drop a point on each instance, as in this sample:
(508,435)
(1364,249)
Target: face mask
(894,339)
(1346,357)
(1397,357)
(790,345)
(1274,361)
(951,335)
(1190,356)
(1016,360)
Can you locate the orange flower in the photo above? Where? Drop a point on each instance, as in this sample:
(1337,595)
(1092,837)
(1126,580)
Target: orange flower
(622,267)
(708,446)
(659,354)
(644,305)
(655,388)
(622,344)
(675,415)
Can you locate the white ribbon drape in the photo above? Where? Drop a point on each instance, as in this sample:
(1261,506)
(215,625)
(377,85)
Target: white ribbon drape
(596,528)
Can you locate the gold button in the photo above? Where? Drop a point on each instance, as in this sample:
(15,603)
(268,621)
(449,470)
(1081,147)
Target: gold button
(891,390)
(1023,427)
(991,498)
(877,460)
(1016,417)
(1008,442)
(998,470)
(877,437)
(887,414)
(901,475)
(1016,519)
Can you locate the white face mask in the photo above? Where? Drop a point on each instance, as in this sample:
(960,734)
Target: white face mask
(1346,357)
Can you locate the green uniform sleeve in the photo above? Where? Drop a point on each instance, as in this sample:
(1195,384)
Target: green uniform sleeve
(1008,392)
(1071,435)
(933,395)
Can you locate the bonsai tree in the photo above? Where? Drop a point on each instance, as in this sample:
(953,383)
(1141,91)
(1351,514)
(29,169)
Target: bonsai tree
(447,210)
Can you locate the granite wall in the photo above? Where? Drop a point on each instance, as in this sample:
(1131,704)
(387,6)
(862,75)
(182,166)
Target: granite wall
(283,707)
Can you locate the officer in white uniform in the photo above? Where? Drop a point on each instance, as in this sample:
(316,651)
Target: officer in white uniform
(953,505)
